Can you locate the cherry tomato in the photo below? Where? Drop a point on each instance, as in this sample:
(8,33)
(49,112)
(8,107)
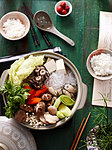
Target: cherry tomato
(63,4)
(67,8)
(64,12)
(59,9)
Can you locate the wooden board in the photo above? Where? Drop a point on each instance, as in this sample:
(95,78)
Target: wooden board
(105,41)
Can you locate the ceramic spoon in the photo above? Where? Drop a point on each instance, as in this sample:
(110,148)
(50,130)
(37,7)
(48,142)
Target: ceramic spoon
(43,22)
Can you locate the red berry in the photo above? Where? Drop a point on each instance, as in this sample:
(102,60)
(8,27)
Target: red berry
(64,12)
(67,8)
(63,4)
(59,9)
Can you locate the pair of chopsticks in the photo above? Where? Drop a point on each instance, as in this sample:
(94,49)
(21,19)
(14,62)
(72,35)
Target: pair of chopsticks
(79,132)
(34,36)
(33,32)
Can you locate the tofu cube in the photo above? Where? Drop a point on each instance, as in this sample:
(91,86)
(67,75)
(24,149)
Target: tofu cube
(60,67)
(50,66)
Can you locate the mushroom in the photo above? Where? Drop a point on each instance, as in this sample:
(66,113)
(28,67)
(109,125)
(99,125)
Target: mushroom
(53,99)
(51,119)
(52,91)
(50,103)
(59,91)
(38,78)
(46,97)
(42,72)
(20,116)
(37,69)
(42,119)
(27,108)
(66,93)
(39,109)
(42,67)
(70,88)
(52,110)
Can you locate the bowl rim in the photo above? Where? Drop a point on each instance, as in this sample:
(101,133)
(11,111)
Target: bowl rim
(79,83)
(67,3)
(88,65)
(26,31)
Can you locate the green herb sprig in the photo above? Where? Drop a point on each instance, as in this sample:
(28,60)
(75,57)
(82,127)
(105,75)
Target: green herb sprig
(16,96)
(103,131)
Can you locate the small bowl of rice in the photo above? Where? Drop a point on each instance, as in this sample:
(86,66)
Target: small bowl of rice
(14,25)
(99,64)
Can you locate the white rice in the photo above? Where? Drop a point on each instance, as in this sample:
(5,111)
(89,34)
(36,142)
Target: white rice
(102,64)
(13,28)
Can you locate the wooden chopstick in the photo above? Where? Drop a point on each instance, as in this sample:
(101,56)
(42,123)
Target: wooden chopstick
(42,32)
(45,38)
(33,32)
(79,134)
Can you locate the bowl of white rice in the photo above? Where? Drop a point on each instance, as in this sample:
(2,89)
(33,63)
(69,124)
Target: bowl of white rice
(14,25)
(99,64)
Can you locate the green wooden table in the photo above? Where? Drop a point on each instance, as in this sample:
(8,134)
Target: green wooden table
(83,27)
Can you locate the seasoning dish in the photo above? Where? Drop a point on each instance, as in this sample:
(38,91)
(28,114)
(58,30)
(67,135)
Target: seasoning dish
(14,25)
(63,8)
(80,97)
(103,64)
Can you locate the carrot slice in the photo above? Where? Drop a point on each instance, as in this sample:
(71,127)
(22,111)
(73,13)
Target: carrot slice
(40,92)
(33,101)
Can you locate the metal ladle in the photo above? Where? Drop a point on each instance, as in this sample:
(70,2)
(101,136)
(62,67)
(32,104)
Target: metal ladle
(43,22)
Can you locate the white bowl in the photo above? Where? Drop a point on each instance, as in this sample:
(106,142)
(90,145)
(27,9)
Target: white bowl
(67,4)
(15,15)
(88,64)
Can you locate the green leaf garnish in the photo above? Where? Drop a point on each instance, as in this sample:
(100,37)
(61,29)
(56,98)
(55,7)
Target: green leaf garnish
(16,96)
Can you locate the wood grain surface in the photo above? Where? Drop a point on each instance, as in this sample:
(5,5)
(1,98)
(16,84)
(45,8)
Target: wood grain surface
(83,27)
(105,41)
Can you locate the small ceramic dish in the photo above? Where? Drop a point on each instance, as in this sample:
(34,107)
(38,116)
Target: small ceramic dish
(91,140)
(88,64)
(67,4)
(15,15)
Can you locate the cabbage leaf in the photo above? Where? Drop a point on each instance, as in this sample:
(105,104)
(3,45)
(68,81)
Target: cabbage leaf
(22,68)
